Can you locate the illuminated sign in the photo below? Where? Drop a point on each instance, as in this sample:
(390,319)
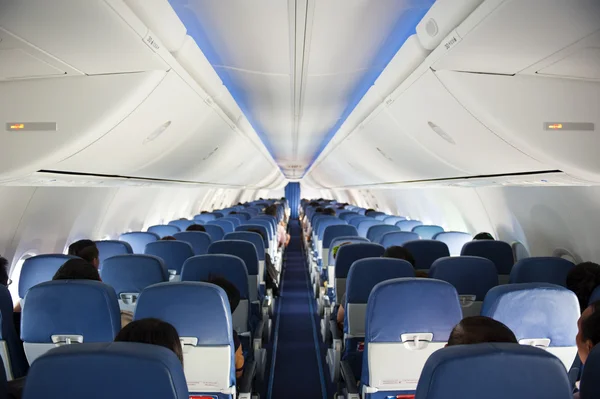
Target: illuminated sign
(571,126)
(31,126)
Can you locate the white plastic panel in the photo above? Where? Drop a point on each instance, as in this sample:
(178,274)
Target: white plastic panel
(583,63)
(160,18)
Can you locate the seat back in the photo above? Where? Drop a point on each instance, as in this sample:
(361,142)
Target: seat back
(427,232)
(173,253)
(375,232)
(455,240)
(376,215)
(199,240)
(472,277)
(498,252)
(235,221)
(204,217)
(397,238)
(138,240)
(116,370)
(201,315)
(11,348)
(463,371)
(110,248)
(241,217)
(365,225)
(425,252)
(39,269)
(543,269)
(164,230)
(333,232)
(247,252)
(392,220)
(263,222)
(183,224)
(346,256)
(408,319)
(66,312)
(590,384)
(408,225)
(540,314)
(233,269)
(346,215)
(355,221)
(250,226)
(215,232)
(226,225)
(258,243)
(130,274)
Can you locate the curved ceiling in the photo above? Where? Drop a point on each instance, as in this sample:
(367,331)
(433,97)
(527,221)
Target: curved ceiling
(298,68)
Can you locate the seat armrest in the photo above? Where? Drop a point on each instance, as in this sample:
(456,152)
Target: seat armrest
(245,382)
(348,378)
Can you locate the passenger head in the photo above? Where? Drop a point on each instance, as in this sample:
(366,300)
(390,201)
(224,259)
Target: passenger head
(87,250)
(369,211)
(3,271)
(478,330)
(483,236)
(314,204)
(233,213)
(203,212)
(271,210)
(329,211)
(398,252)
(77,269)
(168,238)
(257,231)
(154,332)
(588,334)
(233,294)
(319,210)
(195,227)
(582,280)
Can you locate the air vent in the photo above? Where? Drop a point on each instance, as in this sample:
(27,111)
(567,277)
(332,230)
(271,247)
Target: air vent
(210,154)
(294,167)
(155,134)
(440,132)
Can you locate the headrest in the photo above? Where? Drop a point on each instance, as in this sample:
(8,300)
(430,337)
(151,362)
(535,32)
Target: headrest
(408,225)
(334,231)
(454,240)
(228,227)
(348,254)
(265,223)
(183,224)
(173,253)
(498,252)
(426,252)
(590,383)
(412,305)
(249,236)
(427,232)
(392,220)
(72,307)
(251,226)
(346,215)
(199,240)
(365,225)
(232,268)
(327,223)
(242,249)
(340,240)
(235,221)
(116,370)
(493,371)
(204,217)
(382,216)
(133,273)
(374,214)
(110,248)
(138,240)
(164,230)
(355,221)
(548,269)
(470,275)
(374,233)
(241,216)
(199,310)
(39,269)
(365,274)
(215,232)
(397,238)
(535,310)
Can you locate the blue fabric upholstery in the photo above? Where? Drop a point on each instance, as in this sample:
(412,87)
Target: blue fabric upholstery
(173,253)
(204,217)
(250,226)
(251,237)
(74,307)
(133,273)
(340,240)
(365,274)
(595,295)
(397,238)
(183,224)
(265,223)
(241,217)
(215,232)
(164,230)
(39,269)
(8,333)
(590,383)
(427,232)
(116,370)
(408,225)
(235,221)
(365,225)
(548,269)
(243,249)
(346,215)
(455,240)
(535,310)
(376,215)
(110,248)
(392,220)
(226,225)
(199,240)
(232,268)
(498,252)
(426,252)
(375,232)
(357,220)
(335,231)
(138,240)
(325,223)
(470,275)
(493,371)
(348,254)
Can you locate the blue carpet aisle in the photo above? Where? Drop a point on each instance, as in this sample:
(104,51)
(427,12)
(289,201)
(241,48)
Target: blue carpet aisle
(298,369)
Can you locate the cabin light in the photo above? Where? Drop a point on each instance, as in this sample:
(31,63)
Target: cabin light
(17,126)
(555,126)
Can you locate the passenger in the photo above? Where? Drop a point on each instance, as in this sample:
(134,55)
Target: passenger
(588,334)
(309,228)
(87,250)
(283,239)
(4,280)
(203,212)
(398,252)
(483,236)
(168,238)
(272,273)
(369,211)
(478,330)
(329,211)
(233,294)
(152,331)
(341,312)
(582,280)
(195,227)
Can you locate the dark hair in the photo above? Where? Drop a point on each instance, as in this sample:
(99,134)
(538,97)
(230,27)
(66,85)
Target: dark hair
(203,212)
(582,280)
(168,238)
(3,271)
(256,231)
(319,210)
(478,330)
(398,252)
(329,211)
(421,274)
(233,294)
(590,326)
(313,203)
(271,210)
(77,269)
(154,332)
(85,249)
(369,211)
(195,227)
(233,213)
(483,236)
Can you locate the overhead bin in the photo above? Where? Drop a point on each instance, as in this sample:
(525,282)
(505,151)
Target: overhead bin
(161,19)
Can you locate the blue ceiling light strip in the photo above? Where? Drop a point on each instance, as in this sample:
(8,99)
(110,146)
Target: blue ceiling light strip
(404,28)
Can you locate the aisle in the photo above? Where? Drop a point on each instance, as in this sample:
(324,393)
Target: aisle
(298,370)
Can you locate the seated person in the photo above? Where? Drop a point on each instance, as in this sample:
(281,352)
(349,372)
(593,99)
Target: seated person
(582,280)
(4,280)
(271,273)
(478,330)
(195,227)
(398,252)
(283,239)
(152,331)
(588,334)
(87,250)
(341,312)
(483,236)
(168,238)
(309,228)
(233,294)
(329,211)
